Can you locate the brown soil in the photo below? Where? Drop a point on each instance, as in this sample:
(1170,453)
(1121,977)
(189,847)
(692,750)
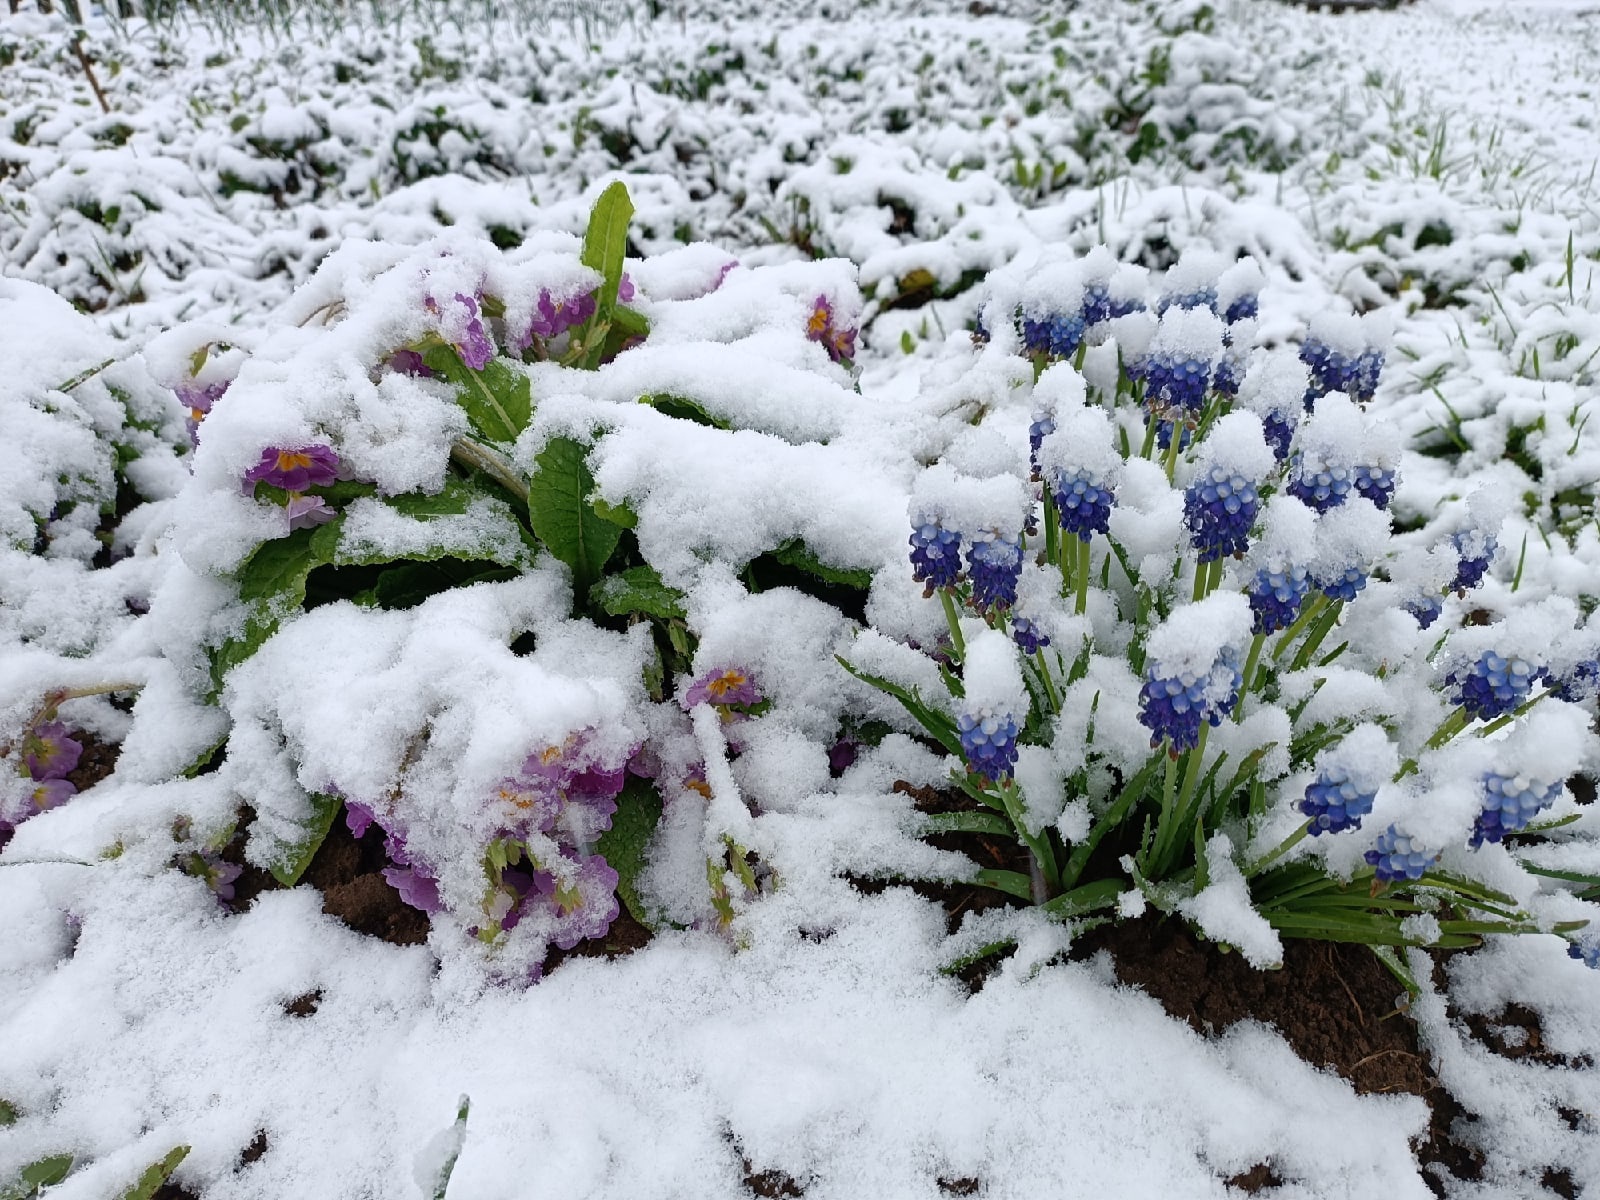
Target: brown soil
(1334,1003)
(98,760)
(347,871)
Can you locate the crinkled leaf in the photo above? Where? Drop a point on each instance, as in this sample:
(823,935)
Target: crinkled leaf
(498,400)
(638,590)
(511,545)
(156,1174)
(795,553)
(638,811)
(293,857)
(562,516)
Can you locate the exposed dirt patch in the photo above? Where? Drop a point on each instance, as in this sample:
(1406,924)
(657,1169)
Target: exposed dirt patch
(1334,1003)
(1514,1032)
(98,760)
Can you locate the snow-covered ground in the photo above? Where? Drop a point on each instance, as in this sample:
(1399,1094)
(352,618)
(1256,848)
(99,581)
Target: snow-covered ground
(281,214)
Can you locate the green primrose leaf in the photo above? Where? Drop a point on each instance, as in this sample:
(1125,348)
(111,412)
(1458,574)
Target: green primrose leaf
(453,1139)
(684,408)
(44,1172)
(605,244)
(292,858)
(795,553)
(623,845)
(8,1113)
(637,591)
(155,1175)
(562,516)
(619,515)
(498,400)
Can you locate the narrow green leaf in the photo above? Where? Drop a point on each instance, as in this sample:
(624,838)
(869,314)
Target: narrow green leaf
(940,727)
(1013,883)
(1390,958)
(638,591)
(454,1139)
(969,822)
(293,857)
(624,844)
(156,1174)
(605,244)
(1091,897)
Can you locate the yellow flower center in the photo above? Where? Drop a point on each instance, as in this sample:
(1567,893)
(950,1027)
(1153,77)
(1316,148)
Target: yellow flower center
(288,460)
(722,685)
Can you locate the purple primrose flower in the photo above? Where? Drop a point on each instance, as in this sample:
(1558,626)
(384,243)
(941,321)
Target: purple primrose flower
(295,470)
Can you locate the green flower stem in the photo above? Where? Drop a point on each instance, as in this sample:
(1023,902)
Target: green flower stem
(1248,685)
(1052,530)
(1171,458)
(953,619)
(1191,774)
(1448,729)
(474,456)
(1308,612)
(1043,856)
(1147,450)
(1325,622)
(1202,571)
(1169,800)
(1042,666)
(1082,604)
(1282,848)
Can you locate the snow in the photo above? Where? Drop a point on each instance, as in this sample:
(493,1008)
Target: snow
(275,218)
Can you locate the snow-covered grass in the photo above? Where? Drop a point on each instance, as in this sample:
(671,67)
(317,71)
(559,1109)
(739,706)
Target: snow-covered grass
(458,558)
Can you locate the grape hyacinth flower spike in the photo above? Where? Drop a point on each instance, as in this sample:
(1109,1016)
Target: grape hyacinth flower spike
(994,563)
(989,743)
(1275,597)
(1397,855)
(935,555)
(1509,803)
(1476,550)
(1494,685)
(1083,503)
(1219,509)
(1174,707)
(1334,803)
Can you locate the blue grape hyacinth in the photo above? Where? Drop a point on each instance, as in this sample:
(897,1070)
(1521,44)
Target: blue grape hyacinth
(1334,803)
(1204,296)
(1243,308)
(1275,598)
(1220,508)
(1173,707)
(1509,803)
(1343,585)
(1375,483)
(1586,950)
(1476,553)
(935,555)
(1426,609)
(1494,685)
(1028,636)
(994,564)
(989,743)
(1321,489)
(1579,682)
(1279,431)
(1056,335)
(1398,855)
(1083,504)
(1177,382)
(1043,426)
